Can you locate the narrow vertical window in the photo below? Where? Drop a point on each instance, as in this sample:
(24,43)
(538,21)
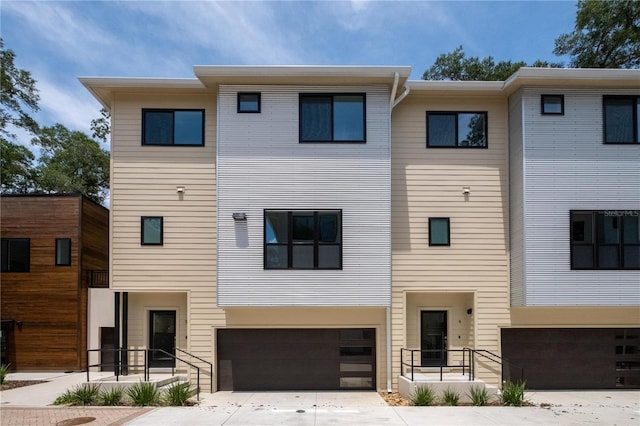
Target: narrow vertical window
(151,230)
(439,231)
(63,251)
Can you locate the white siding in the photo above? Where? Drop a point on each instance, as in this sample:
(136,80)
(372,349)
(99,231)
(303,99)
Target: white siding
(516,199)
(567,167)
(262,165)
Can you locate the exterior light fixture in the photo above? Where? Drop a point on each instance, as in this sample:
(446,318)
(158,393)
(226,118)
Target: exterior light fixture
(239,216)
(179,189)
(466,190)
(469,311)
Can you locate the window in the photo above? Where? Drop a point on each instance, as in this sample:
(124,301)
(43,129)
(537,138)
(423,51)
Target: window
(63,251)
(15,254)
(173,127)
(303,239)
(552,104)
(439,231)
(151,232)
(456,129)
(605,239)
(332,118)
(621,119)
(248,102)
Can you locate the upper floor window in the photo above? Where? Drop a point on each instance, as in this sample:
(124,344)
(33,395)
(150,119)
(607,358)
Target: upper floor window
(605,239)
(456,129)
(439,231)
(15,254)
(332,118)
(303,239)
(621,119)
(183,127)
(552,104)
(249,102)
(151,232)
(63,251)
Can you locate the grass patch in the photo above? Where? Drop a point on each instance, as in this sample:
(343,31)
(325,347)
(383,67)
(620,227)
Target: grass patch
(423,396)
(479,396)
(178,394)
(513,393)
(144,394)
(450,397)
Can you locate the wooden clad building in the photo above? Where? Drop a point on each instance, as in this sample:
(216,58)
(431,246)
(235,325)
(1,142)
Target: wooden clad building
(54,247)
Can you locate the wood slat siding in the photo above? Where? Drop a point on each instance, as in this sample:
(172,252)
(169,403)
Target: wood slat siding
(516,198)
(50,300)
(428,183)
(144,181)
(262,165)
(567,167)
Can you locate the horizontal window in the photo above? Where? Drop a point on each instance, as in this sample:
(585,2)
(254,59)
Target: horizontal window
(15,254)
(456,129)
(332,118)
(552,104)
(249,102)
(151,230)
(621,119)
(303,239)
(439,231)
(63,251)
(605,239)
(183,127)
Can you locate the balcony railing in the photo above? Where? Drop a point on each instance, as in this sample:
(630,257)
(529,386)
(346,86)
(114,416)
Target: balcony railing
(99,279)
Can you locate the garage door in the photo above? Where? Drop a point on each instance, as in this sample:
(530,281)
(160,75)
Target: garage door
(584,358)
(296,359)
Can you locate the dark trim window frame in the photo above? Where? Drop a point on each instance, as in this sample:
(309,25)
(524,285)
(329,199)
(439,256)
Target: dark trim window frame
(443,129)
(552,104)
(172,127)
(605,239)
(249,102)
(302,239)
(621,120)
(332,117)
(439,231)
(63,251)
(16,254)
(151,230)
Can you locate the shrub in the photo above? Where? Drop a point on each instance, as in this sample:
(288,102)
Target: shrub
(423,396)
(179,393)
(450,397)
(84,394)
(513,393)
(479,396)
(4,370)
(143,394)
(111,397)
(64,399)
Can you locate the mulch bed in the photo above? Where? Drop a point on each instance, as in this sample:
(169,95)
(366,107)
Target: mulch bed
(12,384)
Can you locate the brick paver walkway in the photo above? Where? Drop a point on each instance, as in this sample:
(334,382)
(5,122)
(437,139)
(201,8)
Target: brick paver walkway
(69,416)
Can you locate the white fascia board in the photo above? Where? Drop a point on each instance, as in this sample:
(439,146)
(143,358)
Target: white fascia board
(456,87)
(573,77)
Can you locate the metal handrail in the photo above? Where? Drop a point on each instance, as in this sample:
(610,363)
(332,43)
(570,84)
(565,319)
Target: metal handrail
(174,367)
(200,359)
(500,360)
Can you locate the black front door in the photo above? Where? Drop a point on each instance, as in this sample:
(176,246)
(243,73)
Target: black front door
(162,335)
(433,338)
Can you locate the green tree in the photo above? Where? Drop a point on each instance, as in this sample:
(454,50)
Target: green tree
(18,95)
(16,168)
(71,162)
(457,66)
(101,127)
(606,35)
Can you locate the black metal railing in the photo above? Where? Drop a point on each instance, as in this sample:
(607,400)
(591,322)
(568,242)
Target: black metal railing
(99,279)
(202,360)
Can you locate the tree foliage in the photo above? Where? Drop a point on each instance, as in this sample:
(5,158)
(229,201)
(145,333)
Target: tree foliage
(606,35)
(101,127)
(457,66)
(16,168)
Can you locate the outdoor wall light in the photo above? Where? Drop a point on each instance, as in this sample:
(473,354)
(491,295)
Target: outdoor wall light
(179,189)
(466,190)
(239,216)
(469,311)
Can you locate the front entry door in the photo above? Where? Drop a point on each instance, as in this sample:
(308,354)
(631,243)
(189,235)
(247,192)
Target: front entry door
(433,338)
(162,335)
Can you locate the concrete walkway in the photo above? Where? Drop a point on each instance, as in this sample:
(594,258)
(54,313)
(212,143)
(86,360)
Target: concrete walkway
(30,406)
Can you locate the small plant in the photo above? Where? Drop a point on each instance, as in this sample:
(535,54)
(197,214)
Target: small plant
(144,394)
(513,393)
(84,394)
(111,397)
(450,397)
(4,370)
(479,396)
(64,399)
(178,394)
(423,396)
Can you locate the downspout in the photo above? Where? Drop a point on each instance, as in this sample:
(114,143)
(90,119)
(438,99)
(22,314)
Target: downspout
(392,104)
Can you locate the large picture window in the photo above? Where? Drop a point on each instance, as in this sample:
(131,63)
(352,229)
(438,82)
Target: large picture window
(332,118)
(173,127)
(15,254)
(621,119)
(605,239)
(303,239)
(456,129)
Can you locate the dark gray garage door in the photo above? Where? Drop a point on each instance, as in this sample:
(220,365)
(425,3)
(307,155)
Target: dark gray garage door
(578,358)
(296,359)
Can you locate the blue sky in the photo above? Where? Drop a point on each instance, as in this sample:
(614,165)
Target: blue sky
(59,41)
